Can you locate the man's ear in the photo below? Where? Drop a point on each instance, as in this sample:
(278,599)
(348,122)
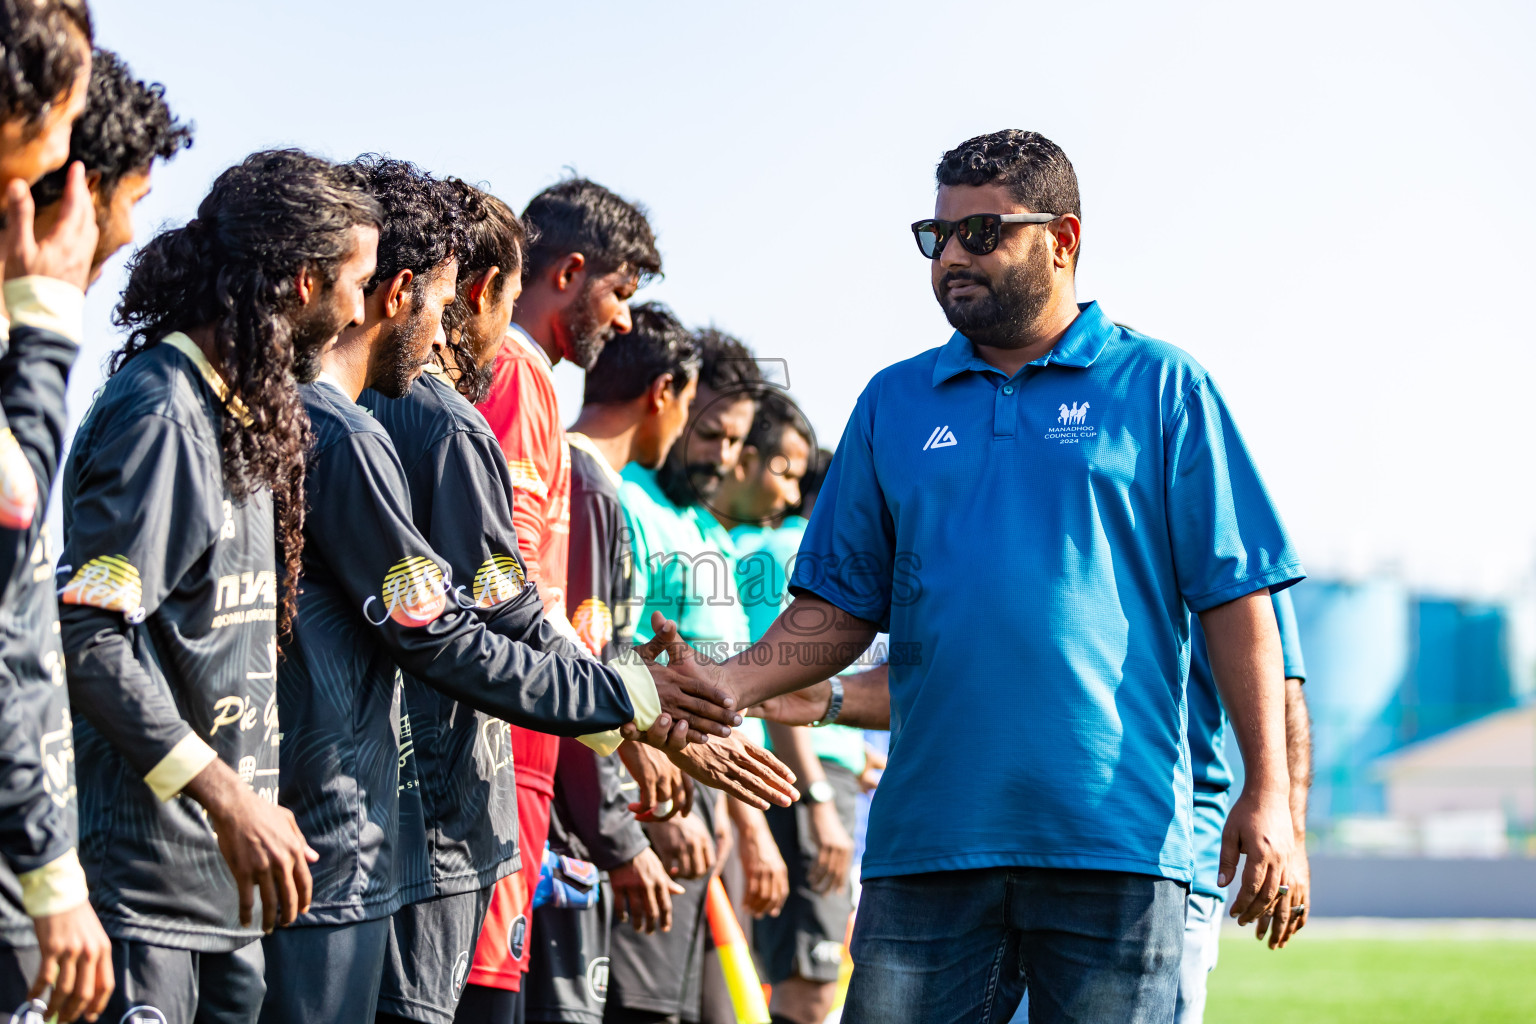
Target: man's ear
(306,284)
(568,269)
(746,465)
(480,290)
(656,397)
(397,293)
(93,182)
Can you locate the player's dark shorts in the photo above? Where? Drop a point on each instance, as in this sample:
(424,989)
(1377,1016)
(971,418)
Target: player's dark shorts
(426,959)
(324,974)
(652,977)
(567,979)
(161,985)
(806,939)
(18,966)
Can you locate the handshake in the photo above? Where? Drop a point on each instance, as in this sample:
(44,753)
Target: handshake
(693,734)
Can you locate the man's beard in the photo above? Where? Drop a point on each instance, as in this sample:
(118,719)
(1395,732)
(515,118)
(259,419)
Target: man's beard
(1001,316)
(315,329)
(687,484)
(400,359)
(587,335)
(475,382)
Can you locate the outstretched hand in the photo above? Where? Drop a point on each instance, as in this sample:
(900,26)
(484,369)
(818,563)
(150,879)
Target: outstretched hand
(691,687)
(739,769)
(798,707)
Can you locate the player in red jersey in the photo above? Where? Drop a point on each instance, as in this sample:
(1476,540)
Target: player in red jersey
(592,251)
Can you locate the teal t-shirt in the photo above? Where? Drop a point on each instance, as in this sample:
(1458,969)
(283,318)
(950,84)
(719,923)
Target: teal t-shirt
(764,559)
(685,568)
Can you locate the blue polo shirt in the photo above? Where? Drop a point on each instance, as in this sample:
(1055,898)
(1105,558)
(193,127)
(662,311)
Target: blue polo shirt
(1034,545)
(1207,742)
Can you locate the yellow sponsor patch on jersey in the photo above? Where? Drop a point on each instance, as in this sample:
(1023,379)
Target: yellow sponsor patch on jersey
(109,582)
(593,622)
(413,591)
(499,579)
(18,484)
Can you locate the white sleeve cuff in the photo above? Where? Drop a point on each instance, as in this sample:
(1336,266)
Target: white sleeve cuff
(48,304)
(55,887)
(186,759)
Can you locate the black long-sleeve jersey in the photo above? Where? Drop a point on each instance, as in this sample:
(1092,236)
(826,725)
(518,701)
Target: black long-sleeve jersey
(168,606)
(37,772)
(376,597)
(461,502)
(600,582)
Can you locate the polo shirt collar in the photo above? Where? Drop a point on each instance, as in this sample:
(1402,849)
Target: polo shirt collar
(1079,347)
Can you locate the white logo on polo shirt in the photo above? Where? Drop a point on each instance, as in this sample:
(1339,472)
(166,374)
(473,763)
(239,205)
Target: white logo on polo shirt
(942,437)
(1074,424)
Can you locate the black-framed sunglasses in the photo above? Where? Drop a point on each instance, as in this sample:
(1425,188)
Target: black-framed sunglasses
(978,232)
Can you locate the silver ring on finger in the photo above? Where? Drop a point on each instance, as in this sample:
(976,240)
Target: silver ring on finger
(1298,910)
(1282,890)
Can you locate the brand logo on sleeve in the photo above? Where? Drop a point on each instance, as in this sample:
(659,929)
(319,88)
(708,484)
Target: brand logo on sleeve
(1072,424)
(460,973)
(57,749)
(143,1015)
(413,594)
(517,936)
(109,582)
(499,579)
(18,484)
(942,437)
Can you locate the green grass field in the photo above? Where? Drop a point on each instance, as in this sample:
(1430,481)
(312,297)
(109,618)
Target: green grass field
(1321,980)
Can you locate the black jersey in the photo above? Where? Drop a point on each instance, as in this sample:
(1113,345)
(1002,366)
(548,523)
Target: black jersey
(461,503)
(169,606)
(37,773)
(375,596)
(600,583)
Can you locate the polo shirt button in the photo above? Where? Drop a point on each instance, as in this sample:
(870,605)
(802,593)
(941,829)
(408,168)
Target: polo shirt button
(1007,389)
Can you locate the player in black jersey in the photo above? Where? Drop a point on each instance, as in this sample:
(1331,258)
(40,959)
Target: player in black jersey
(49,935)
(376,596)
(126,125)
(182,500)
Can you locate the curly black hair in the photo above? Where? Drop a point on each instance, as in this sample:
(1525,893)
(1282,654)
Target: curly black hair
(656,345)
(126,125)
(493,237)
(1032,167)
(423,223)
(234,266)
(40,53)
(776,413)
(577,215)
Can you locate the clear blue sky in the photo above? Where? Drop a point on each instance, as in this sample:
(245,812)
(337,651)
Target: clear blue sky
(1328,204)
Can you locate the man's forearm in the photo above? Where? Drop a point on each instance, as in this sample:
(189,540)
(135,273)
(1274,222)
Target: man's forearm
(867,699)
(1298,753)
(1243,642)
(810,641)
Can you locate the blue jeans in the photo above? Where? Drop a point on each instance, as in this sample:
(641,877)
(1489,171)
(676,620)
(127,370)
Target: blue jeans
(961,946)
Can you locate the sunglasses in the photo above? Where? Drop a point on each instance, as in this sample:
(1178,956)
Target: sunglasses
(978,232)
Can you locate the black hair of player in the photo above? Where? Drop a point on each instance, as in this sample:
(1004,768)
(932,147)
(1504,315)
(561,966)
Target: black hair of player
(494,236)
(125,127)
(577,215)
(776,414)
(815,476)
(657,344)
(1033,168)
(728,365)
(235,266)
(40,53)
(423,228)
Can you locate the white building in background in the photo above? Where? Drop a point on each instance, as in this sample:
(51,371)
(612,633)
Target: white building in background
(1461,791)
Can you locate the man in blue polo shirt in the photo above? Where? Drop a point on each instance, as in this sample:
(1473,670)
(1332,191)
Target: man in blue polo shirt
(1029,510)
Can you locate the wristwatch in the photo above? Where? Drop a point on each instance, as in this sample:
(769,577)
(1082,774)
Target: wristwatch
(819,792)
(834,706)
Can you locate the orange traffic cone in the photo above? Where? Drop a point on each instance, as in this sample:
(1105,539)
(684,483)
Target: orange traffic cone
(735,958)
